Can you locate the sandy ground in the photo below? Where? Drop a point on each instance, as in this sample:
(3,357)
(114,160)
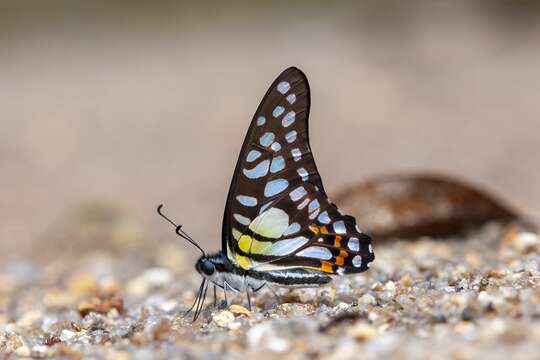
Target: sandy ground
(453,298)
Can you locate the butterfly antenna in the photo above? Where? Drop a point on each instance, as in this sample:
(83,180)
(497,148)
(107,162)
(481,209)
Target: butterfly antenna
(179,231)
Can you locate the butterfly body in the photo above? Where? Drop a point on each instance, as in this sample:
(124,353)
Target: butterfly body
(223,273)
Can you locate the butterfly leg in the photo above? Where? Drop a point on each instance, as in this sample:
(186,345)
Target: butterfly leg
(215,296)
(248,298)
(225,285)
(246,286)
(276,296)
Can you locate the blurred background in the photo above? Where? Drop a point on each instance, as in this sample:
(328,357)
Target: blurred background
(109,109)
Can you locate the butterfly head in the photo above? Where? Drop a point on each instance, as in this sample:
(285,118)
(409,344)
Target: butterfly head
(210,265)
(205,266)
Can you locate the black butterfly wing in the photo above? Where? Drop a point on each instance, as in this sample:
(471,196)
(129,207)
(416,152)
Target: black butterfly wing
(265,223)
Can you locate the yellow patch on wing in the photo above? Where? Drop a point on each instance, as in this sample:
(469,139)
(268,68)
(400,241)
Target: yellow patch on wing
(250,245)
(243,261)
(271,224)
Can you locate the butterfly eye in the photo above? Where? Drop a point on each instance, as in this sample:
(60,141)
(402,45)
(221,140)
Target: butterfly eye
(207,267)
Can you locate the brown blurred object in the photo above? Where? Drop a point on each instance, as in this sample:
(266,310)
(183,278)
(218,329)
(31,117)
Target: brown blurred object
(416,205)
(101,306)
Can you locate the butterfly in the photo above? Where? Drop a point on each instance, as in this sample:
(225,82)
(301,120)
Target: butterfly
(279,227)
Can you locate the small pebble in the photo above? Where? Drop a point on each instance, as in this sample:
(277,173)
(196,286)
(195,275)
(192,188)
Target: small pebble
(223,318)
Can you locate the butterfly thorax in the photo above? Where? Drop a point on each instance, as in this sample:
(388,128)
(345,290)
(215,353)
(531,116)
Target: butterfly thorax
(219,270)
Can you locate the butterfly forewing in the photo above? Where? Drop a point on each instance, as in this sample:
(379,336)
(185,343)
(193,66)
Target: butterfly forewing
(277,212)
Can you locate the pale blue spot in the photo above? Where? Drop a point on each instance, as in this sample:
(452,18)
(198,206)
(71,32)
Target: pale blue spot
(313,205)
(276,146)
(266,139)
(242,219)
(339,227)
(314,214)
(297,193)
(288,119)
(265,207)
(278,164)
(316,252)
(291,98)
(261,120)
(303,204)
(293,228)
(285,247)
(258,171)
(296,153)
(324,218)
(357,261)
(278,111)
(291,136)
(283,87)
(253,155)
(247,200)
(353,244)
(274,187)
(303,173)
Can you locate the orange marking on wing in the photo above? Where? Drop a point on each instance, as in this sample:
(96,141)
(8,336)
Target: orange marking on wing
(337,241)
(324,230)
(340,259)
(314,229)
(326,267)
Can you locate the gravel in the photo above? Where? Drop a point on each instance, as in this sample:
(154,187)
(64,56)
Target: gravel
(456,298)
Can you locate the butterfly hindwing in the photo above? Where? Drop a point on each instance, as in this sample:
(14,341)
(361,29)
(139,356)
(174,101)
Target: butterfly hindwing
(277,213)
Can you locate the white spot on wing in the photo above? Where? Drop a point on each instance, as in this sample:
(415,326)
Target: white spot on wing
(261,120)
(354,244)
(258,171)
(271,224)
(246,200)
(278,110)
(291,98)
(285,247)
(370,248)
(236,234)
(313,205)
(357,261)
(274,187)
(291,136)
(266,139)
(324,218)
(283,87)
(242,219)
(339,227)
(316,252)
(314,214)
(253,155)
(276,146)
(303,173)
(296,153)
(278,164)
(265,206)
(288,119)
(293,228)
(297,193)
(303,204)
